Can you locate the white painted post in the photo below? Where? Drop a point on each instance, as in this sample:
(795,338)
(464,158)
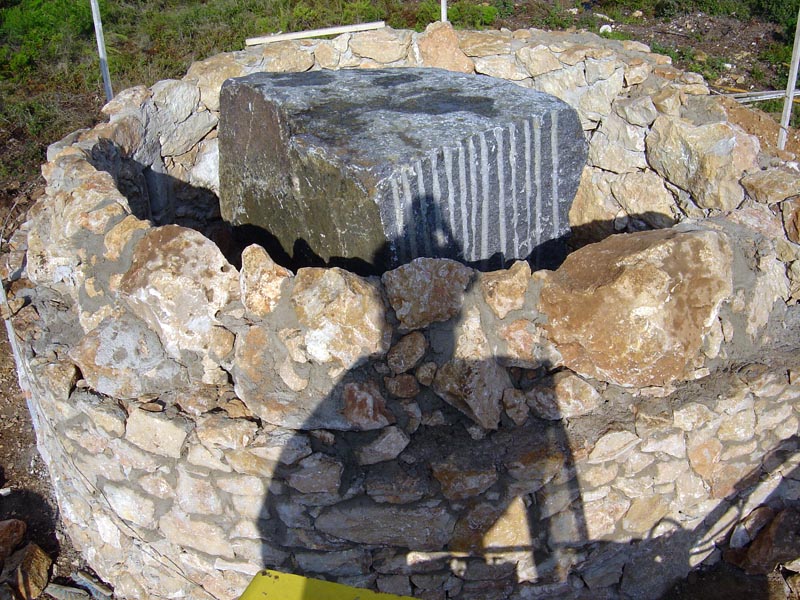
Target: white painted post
(790,86)
(101,50)
(444,11)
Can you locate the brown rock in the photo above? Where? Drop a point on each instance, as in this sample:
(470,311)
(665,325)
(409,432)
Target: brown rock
(365,408)
(218,431)
(775,544)
(791,218)
(704,456)
(209,75)
(461,478)
(426,373)
(515,405)
(504,291)
(27,571)
(438,47)
(402,386)
(344,314)
(389,444)
(707,160)
(634,309)
(407,352)
(391,484)
(426,290)
(527,347)
(260,280)
(644,197)
(11,533)
(488,526)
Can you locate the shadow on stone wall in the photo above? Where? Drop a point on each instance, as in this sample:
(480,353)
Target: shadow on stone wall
(467,508)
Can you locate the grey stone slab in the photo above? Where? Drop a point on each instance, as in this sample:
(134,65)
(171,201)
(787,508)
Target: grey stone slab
(389,165)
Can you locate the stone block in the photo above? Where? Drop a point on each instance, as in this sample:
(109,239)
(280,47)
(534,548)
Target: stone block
(384,166)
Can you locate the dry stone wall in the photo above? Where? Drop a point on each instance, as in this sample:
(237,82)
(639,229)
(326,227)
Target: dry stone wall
(594,431)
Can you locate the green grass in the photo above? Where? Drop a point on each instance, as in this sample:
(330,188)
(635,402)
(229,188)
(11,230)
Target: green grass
(50,78)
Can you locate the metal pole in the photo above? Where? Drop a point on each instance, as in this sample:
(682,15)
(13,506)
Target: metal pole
(790,85)
(101,50)
(444,11)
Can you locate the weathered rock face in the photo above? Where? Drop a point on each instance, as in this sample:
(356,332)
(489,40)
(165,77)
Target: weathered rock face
(386,166)
(634,310)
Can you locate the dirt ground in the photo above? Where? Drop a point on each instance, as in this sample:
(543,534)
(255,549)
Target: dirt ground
(734,46)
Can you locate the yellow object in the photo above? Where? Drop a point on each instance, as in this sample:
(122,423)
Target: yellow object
(272,585)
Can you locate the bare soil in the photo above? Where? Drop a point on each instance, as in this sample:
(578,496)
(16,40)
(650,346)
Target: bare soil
(732,47)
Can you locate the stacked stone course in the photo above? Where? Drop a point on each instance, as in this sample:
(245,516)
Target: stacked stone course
(436,432)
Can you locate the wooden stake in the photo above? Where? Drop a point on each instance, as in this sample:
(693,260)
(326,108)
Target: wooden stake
(280,37)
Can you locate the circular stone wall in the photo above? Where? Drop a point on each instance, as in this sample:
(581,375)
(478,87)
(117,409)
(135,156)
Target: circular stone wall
(594,431)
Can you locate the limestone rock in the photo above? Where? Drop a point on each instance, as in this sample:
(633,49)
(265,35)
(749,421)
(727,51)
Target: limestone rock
(11,533)
(473,381)
(286,56)
(27,571)
(318,473)
(130,505)
(383,45)
(484,43)
(156,432)
(389,444)
(461,478)
(260,281)
(707,160)
(618,146)
(423,528)
(389,483)
(407,352)
(364,407)
(209,75)
(438,47)
(217,431)
(612,446)
(178,281)
(772,185)
(644,197)
(563,396)
(634,309)
(179,528)
(501,67)
(426,290)
(594,210)
(344,314)
(122,358)
(637,111)
(538,60)
(417,178)
(790,210)
(504,291)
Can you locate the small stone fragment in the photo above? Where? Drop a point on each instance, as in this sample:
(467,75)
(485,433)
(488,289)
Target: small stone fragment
(461,478)
(391,442)
(12,531)
(402,386)
(318,473)
(407,352)
(516,407)
(426,373)
(218,431)
(365,408)
(27,571)
(563,395)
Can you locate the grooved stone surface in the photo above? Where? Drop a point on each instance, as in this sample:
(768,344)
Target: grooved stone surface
(389,165)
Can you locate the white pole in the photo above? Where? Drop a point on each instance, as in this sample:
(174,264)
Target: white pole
(101,50)
(444,11)
(790,85)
